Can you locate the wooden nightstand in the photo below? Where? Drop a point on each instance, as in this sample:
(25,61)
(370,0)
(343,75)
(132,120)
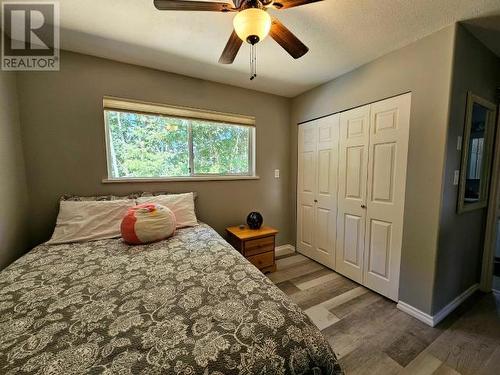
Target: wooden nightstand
(257,245)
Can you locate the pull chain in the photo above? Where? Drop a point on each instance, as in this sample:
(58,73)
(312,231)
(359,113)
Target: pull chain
(253,62)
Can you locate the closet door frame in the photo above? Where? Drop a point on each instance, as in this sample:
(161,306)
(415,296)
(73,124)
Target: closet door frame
(370,196)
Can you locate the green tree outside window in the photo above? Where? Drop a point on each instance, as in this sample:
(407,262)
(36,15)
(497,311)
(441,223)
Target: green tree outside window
(147,145)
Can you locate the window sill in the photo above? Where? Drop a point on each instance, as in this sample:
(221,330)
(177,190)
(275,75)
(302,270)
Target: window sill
(174,179)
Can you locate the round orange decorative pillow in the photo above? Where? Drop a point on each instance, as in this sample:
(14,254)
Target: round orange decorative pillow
(147,223)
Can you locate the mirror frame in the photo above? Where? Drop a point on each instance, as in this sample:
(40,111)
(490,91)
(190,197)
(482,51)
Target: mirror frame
(490,139)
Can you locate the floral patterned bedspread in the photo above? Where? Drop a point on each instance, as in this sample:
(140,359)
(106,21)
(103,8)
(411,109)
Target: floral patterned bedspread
(188,305)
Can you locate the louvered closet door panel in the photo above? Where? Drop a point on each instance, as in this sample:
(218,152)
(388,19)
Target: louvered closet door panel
(326,192)
(388,152)
(306,186)
(352,175)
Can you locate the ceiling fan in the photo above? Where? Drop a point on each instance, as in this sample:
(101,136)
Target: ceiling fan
(252,24)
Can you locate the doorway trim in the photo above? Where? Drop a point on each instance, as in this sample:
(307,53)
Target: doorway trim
(493,202)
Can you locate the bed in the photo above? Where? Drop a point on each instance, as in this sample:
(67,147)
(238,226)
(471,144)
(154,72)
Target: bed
(187,305)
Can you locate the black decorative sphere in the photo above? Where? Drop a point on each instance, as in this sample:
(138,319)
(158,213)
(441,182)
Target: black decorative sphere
(254,220)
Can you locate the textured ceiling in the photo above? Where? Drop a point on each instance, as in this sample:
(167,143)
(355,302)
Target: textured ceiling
(341,35)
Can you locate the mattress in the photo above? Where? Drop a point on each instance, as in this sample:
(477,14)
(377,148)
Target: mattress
(187,305)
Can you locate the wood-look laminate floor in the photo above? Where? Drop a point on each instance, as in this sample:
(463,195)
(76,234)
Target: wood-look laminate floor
(371,336)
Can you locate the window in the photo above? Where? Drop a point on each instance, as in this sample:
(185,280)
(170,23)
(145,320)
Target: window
(476,158)
(149,141)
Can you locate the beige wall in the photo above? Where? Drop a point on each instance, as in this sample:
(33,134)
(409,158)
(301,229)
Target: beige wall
(424,68)
(461,237)
(13,191)
(63,134)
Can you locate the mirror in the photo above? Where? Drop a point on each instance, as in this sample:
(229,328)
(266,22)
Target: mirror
(477,148)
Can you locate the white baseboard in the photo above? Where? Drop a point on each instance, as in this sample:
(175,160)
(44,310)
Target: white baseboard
(433,320)
(284,250)
(416,313)
(445,311)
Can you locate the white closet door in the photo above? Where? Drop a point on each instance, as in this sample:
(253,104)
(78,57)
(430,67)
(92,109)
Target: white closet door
(326,191)
(306,186)
(317,187)
(388,150)
(353,162)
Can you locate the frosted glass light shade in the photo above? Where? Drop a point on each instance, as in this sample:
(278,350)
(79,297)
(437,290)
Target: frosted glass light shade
(251,23)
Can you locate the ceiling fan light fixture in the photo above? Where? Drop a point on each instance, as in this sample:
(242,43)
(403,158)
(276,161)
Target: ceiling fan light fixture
(252,25)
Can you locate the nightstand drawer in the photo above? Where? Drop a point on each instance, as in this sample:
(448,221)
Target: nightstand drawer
(257,245)
(262,260)
(260,245)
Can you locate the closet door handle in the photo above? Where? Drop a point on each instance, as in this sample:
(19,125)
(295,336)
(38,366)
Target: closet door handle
(363,206)
(315,201)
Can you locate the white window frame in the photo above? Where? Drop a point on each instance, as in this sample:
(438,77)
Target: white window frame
(128,105)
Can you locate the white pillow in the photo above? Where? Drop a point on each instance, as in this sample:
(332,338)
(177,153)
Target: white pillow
(89,220)
(182,205)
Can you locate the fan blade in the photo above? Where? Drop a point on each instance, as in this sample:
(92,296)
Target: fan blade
(193,5)
(287,40)
(284,4)
(231,50)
